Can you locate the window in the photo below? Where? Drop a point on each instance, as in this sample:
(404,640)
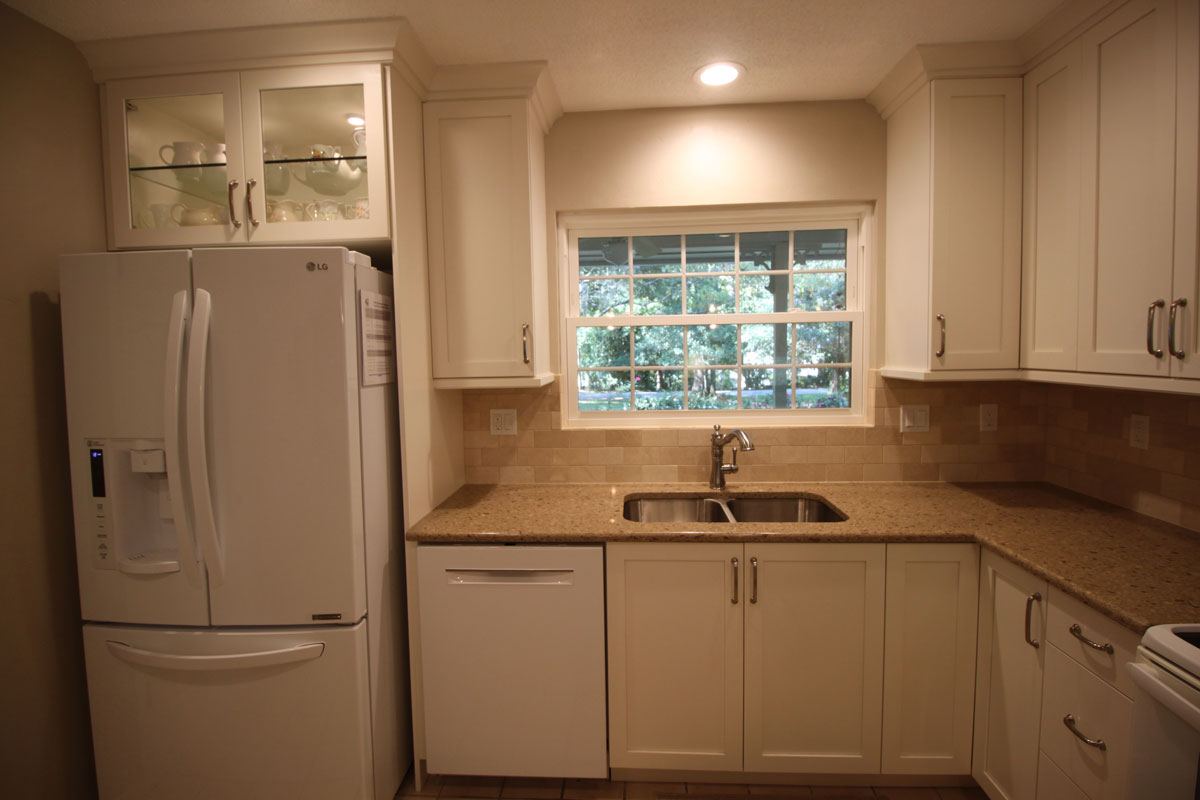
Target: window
(686,318)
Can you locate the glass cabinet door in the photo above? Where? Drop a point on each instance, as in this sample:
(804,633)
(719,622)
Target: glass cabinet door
(315,141)
(175,160)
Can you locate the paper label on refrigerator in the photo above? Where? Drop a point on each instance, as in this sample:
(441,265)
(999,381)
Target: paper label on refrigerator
(378,345)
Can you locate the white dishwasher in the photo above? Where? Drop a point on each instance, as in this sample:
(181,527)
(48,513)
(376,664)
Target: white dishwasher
(512,656)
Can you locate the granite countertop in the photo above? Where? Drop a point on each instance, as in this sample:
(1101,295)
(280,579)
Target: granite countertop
(1135,569)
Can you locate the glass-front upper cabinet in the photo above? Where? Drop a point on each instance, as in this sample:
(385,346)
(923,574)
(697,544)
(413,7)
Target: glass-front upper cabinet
(263,156)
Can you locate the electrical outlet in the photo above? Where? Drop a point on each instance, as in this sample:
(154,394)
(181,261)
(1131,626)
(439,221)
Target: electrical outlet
(914,419)
(504,422)
(1139,431)
(989,416)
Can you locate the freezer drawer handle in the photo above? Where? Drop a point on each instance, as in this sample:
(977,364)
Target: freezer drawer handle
(265,658)
(553,577)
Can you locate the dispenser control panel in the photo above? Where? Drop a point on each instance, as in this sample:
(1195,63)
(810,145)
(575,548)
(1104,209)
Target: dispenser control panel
(103,550)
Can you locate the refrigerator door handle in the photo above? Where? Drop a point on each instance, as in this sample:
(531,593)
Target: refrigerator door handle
(197,440)
(171,397)
(194,663)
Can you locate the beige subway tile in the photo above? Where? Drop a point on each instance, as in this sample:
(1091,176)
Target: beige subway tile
(960,433)
(516,475)
(979,453)
(825,454)
(769,437)
(475,421)
(481,439)
(482,475)
(846,435)
(551,438)
(1178,487)
(1164,459)
(883,472)
(844,472)
(554,474)
(605,455)
(586,438)
(1154,505)
(899,454)
(920,472)
(660,473)
(660,438)
(788,454)
(958,472)
(805,436)
(931,436)
(471,457)
(623,438)
(881,435)
(497,456)
(693,474)
(574,456)
(998,472)
(638,455)
(589,473)
(541,421)
(1065,458)
(625,473)
(939,453)
(1059,476)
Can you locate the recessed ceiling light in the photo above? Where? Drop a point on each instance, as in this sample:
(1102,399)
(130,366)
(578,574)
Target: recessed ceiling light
(355,120)
(720,73)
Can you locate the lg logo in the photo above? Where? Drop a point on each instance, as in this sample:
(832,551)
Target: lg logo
(312,266)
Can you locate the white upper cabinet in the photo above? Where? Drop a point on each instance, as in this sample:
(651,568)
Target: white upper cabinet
(1127,83)
(281,155)
(486,212)
(953,261)
(1110,254)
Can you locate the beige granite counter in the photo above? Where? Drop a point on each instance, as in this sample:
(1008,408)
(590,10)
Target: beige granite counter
(1137,570)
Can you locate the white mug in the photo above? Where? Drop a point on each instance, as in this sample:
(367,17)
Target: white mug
(284,211)
(323,210)
(215,153)
(182,153)
(359,209)
(182,215)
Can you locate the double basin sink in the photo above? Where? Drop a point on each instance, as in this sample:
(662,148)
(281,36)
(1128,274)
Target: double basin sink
(730,508)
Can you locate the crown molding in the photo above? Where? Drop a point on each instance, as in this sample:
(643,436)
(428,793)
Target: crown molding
(528,80)
(927,62)
(1060,26)
(386,40)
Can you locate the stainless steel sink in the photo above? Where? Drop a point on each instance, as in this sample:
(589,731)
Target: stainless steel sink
(735,508)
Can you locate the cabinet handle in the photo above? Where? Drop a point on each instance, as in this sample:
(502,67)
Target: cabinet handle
(525,342)
(1069,721)
(1077,632)
(734,599)
(941,351)
(1151,312)
(753,580)
(1029,618)
(233,220)
(250,184)
(1175,306)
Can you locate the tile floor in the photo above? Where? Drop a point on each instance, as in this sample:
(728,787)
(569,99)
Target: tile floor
(470,788)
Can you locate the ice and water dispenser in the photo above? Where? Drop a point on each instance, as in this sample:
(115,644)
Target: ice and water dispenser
(133,525)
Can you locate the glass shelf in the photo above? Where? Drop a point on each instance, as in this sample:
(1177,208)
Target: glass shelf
(207,182)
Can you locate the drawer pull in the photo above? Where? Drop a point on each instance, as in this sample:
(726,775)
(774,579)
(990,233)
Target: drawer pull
(754,580)
(1069,721)
(1077,632)
(1036,596)
(734,599)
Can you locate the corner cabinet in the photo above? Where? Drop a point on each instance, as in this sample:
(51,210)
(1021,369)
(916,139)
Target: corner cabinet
(485,190)
(953,251)
(295,154)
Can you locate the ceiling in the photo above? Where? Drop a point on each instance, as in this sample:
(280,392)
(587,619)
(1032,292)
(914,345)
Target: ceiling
(611,54)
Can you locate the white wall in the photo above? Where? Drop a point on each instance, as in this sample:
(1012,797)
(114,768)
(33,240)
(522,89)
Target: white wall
(717,155)
(432,420)
(52,202)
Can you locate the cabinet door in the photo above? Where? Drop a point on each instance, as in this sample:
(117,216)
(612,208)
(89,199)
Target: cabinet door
(480,186)
(1186,361)
(1127,235)
(316,153)
(675,655)
(1008,683)
(1050,285)
(929,658)
(814,657)
(976,235)
(174,151)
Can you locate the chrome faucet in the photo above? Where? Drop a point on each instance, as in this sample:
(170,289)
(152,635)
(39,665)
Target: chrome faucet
(716,479)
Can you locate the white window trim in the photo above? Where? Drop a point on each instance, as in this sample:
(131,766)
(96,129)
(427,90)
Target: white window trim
(573,226)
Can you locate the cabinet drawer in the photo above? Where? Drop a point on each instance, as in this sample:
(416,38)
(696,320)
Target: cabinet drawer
(1100,712)
(1053,784)
(1065,612)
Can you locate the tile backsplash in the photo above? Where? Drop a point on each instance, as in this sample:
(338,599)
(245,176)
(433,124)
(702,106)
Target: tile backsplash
(1075,437)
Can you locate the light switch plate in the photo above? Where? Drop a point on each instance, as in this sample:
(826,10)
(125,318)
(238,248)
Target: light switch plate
(914,419)
(504,422)
(989,416)
(1139,431)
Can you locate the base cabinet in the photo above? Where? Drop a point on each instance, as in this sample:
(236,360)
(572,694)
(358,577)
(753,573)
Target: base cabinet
(771,658)
(1008,693)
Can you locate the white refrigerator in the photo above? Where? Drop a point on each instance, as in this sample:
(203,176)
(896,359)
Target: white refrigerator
(234,453)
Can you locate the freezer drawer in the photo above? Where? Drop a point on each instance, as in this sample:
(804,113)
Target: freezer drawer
(512,645)
(194,715)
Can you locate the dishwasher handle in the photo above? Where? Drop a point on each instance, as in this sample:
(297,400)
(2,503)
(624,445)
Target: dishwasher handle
(477,577)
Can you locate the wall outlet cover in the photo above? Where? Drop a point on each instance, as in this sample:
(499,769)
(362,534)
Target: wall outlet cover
(1139,431)
(914,419)
(989,416)
(504,422)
